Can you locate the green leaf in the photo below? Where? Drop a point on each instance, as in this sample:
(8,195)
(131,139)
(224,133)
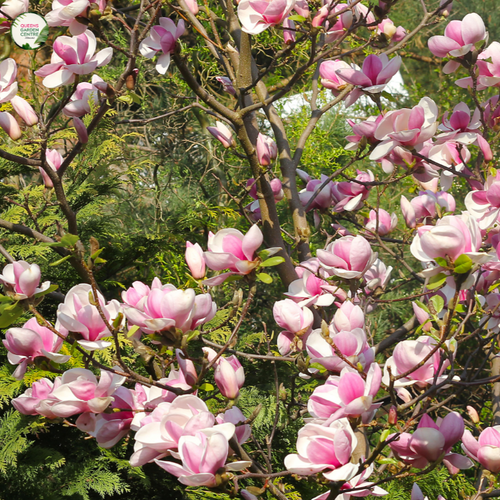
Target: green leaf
(273,261)
(296,17)
(9,314)
(422,306)
(206,387)
(52,288)
(268,252)
(463,264)
(441,262)
(436,281)
(384,435)
(132,331)
(67,241)
(4,299)
(265,278)
(438,303)
(42,37)
(96,254)
(389,461)
(60,261)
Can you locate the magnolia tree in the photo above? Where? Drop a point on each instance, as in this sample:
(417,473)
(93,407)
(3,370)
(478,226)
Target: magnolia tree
(376,412)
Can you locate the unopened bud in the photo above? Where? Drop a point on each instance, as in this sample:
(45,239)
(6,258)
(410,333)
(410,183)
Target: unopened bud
(473,414)
(393,415)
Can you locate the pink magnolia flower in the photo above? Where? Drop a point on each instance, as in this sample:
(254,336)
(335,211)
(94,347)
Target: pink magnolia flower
(229,375)
(78,315)
(73,56)
(72,13)
(330,77)
(162,38)
(374,75)
(289,31)
(223,134)
(195,260)
(165,308)
(202,456)
(430,441)
(363,132)
(8,82)
(28,402)
(347,395)
(392,33)
(451,237)
(352,344)
(458,40)
(54,160)
(321,447)
(266,150)
(422,317)
(81,130)
(337,25)
(381,222)
(357,482)
(10,126)
(406,128)
(323,198)
(230,249)
(14,8)
(422,209)
(32,341)
(227,84)
(408,355)
(257,15)
(297,322)
(193,6)
(485,450)
(348,257)
(349,196)
(22,280)
(85,94)
(162,430)
(347,317)
(24,110)
(235,416)
(109,428)
(484,205)
(377,276)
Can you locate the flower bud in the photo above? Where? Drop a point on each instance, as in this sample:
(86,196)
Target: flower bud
(393,416)
(81,130)
(10,125)
(24,110)
(473,414)
(195,260)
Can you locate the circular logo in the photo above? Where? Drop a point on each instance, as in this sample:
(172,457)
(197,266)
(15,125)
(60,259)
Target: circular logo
(29,31)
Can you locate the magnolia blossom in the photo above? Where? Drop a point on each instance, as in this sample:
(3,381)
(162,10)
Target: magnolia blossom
(266,150)
(229,375)
(257,16)
(484,205)
(72,13)
(390,31)
(349,196)
(202,456)
(347,395)
(406,128)
(408,355)
(297,322)
(374,75)
(162,38)
(422,209)
(14,8)
(53,160)
(381,222)
(22,280)
(337,25)
(29,402)
(430,441)
(85,94)
(195,260)
(227,84)
(32,341)
(329,76)
(451,237)
(357,482)
(363,132)
(165,308)
(351,344)
(223,134)
(73,56)
(377,276)
(230,249)
(234,415)
(348,257)
(458,40)
(323,448)
(163,428)
(77,314)
(486,449)
(321,198)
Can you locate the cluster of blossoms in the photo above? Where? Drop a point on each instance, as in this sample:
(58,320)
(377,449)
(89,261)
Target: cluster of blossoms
(173,426)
